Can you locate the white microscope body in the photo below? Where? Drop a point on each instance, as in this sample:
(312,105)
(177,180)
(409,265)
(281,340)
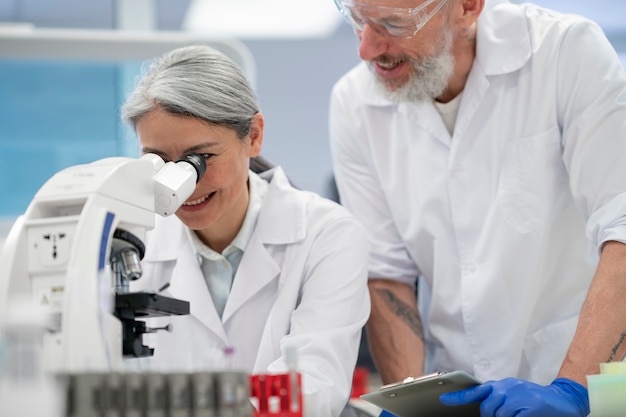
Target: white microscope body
(63,252)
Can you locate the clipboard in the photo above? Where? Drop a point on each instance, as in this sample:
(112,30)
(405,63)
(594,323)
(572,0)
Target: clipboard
(419,397)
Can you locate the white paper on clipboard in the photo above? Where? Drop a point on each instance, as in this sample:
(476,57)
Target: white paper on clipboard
(419,397)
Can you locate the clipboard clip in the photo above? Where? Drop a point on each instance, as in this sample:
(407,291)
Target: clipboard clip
(411,379)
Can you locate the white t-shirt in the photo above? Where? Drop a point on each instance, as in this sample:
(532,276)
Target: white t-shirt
(448,112)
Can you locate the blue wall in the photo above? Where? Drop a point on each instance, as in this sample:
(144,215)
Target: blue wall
(53,115)
(57,115)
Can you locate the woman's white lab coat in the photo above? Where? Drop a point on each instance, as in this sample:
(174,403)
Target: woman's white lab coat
(302,282)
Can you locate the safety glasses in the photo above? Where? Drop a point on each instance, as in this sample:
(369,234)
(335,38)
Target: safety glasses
(396,21)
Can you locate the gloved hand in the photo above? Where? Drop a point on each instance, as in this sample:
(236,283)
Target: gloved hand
(515,397)
(386,413)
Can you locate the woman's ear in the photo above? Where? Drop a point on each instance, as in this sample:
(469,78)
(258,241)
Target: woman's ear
(256,135)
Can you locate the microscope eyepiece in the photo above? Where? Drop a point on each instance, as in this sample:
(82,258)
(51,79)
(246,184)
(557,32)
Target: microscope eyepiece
(197,162)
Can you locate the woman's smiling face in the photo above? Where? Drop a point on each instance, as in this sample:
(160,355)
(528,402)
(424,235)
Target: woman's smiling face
(218,205)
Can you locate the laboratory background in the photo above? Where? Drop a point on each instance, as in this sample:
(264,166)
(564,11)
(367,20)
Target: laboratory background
(67,65)
(62,81)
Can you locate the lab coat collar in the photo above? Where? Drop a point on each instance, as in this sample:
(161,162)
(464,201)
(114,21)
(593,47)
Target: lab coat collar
(502,39)
(282,219)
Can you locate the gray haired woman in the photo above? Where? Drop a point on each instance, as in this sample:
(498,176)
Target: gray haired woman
(265,267)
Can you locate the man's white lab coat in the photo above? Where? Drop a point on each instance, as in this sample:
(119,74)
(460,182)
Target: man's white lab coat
(500,219)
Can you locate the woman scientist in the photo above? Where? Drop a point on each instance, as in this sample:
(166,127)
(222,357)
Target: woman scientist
(264,266)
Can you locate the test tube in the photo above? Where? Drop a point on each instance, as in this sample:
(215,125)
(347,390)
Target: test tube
(179,389)
(156,395)
(233,394)
(291,356)
(203,394)
(114,393)
(136,401)
(86,395)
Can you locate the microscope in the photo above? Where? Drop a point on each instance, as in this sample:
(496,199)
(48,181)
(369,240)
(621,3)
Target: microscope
(77,247)
(72,256)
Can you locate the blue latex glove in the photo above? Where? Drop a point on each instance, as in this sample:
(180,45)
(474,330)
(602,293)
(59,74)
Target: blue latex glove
(515,397)
(386,413)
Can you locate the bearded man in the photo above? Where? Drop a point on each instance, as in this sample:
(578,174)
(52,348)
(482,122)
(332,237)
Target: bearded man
(482,144)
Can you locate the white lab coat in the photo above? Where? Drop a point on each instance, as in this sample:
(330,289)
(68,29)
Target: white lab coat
(302,281)
(503,220)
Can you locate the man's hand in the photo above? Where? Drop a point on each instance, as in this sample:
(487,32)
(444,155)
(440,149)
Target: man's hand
(515,397)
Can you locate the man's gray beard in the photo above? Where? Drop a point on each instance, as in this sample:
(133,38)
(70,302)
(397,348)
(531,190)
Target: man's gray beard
(429,78)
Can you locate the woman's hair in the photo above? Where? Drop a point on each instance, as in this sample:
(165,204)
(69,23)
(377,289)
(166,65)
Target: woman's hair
(196,81)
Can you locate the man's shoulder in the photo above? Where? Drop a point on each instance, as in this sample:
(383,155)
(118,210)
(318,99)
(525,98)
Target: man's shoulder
(545,23)
(511,35)
(561,35)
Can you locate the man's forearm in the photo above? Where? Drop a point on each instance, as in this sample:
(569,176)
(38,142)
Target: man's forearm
(394,331)
(601,332)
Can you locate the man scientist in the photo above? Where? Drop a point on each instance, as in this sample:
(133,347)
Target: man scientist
(482,144)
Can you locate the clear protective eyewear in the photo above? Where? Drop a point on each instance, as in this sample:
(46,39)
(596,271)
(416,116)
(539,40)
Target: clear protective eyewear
(396,21)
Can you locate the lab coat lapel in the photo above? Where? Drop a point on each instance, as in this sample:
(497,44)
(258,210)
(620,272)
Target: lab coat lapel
(497,52)
(427,118)
(172,255)
(257,269)
(282,221)
(188,284)
(475,91)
